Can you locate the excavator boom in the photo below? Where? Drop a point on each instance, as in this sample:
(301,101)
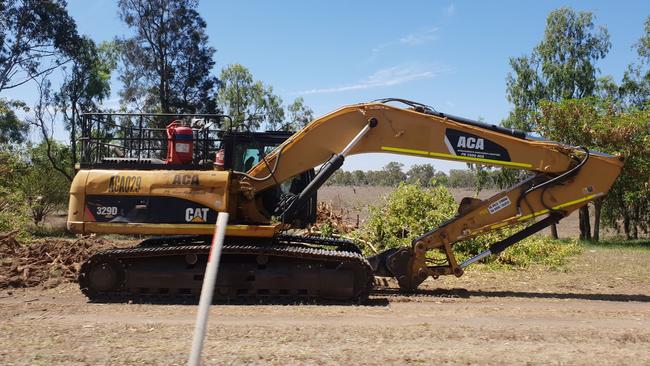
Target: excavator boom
(564,177)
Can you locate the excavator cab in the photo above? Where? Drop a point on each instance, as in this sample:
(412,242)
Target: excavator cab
(244,150)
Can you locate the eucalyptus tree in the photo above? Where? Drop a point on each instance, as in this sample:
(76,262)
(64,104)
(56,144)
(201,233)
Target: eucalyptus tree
(167,61)
(562,66)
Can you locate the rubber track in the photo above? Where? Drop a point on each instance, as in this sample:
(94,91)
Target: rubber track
(278,250)
(341,244)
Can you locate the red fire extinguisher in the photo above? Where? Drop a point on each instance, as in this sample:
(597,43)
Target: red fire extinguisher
(180,144)
(219,160)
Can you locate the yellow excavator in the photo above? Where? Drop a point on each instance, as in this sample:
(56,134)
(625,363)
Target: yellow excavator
(171,183)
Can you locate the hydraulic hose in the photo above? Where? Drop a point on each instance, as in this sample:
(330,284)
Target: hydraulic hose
(554,181)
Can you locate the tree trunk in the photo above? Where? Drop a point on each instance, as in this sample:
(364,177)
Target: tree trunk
(585,226)
(39,114)
(164,106)
(73,135)
(598,204)
(162,59)
(635,222)
(581,225)
(554,231)
(626,225)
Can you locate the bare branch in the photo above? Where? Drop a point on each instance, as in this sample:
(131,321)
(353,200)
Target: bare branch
(40,112)
(36,75)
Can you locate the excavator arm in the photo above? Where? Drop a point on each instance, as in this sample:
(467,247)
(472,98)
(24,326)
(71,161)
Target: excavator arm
(565,177)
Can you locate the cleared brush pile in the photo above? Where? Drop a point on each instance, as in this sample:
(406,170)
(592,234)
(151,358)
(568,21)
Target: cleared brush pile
(330,221)
(45,262)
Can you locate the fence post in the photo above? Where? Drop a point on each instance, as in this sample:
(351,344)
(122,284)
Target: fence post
(207,289)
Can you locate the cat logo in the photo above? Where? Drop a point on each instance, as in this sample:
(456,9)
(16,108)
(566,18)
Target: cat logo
(199,214)
(471,143)
(186,179)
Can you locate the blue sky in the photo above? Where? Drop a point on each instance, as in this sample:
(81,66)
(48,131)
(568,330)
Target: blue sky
(452,55)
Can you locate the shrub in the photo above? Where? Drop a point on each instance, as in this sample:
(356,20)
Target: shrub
(536,249)
(13,212)
(13,206)
(411,211)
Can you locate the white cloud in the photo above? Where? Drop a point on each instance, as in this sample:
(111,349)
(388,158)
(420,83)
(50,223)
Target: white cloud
(424,36)
(450,10)
(379,48)
(420,37)
(395,75)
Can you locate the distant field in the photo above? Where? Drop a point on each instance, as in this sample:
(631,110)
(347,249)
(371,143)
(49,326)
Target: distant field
(353,202)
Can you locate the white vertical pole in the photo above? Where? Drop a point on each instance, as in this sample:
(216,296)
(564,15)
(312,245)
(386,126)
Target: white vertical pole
(207,289)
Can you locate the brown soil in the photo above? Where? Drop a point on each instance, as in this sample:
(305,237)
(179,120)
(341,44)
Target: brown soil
(595,312)
(45,262)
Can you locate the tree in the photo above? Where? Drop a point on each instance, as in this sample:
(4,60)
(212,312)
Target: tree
(167,62)
(524,90)
(36,37)
(359,178)
(236,92)
(601,125)
(299,115)
(86,83)
(617,122)
(634,89)
(13,207)
(272,110)
(31,33)
(568,53)
(462,178)
(440,179)
(393,174)
(249,103)
(12,128)
(642,75)
(643,46)
(45,116)
(341,178)
(422,173)
(44,191)
(562,66)
(631,97)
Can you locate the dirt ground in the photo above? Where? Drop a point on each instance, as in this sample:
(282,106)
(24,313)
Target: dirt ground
(595,312)
(354,201)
